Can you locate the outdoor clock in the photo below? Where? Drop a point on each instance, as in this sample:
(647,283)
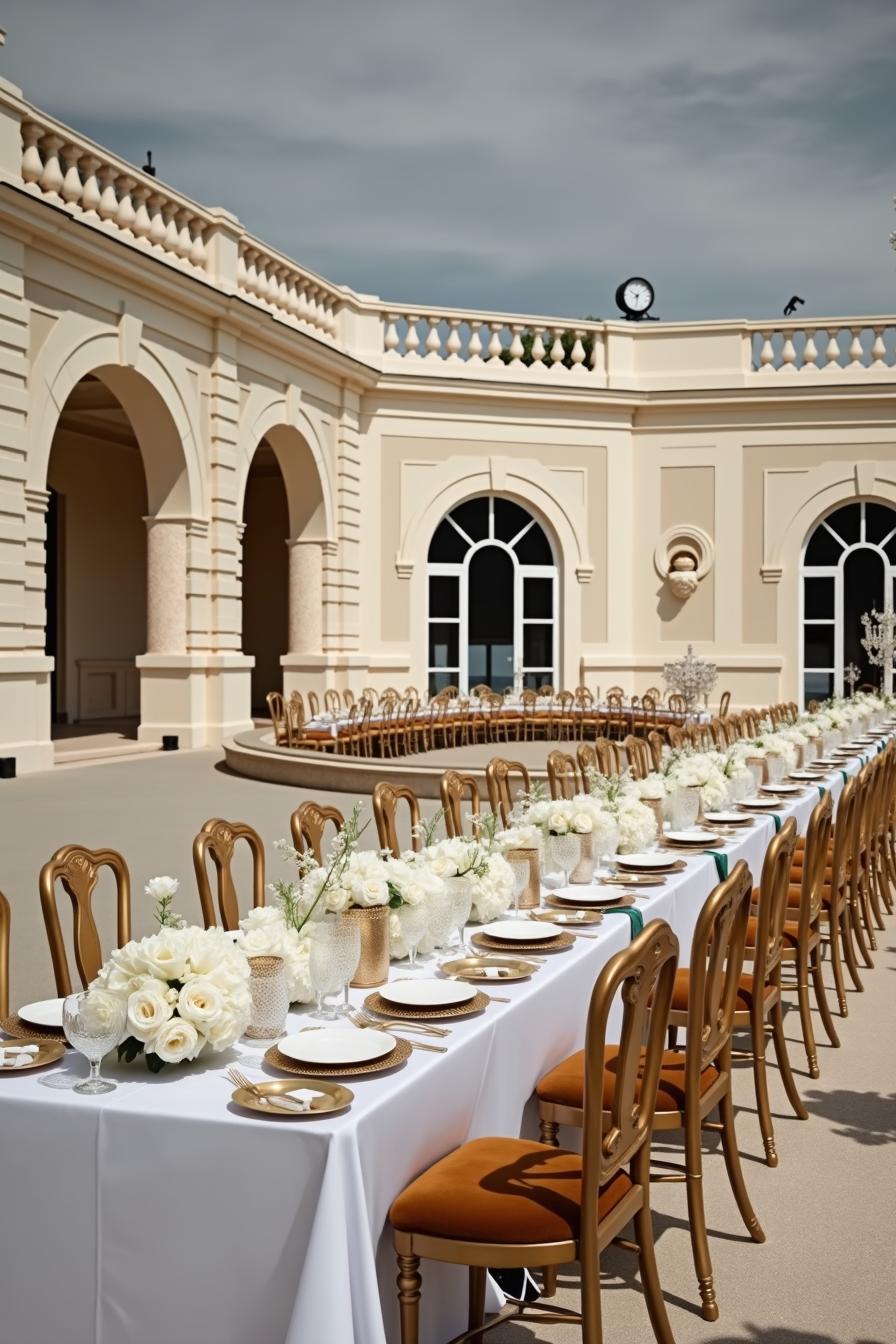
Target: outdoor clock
(635,298)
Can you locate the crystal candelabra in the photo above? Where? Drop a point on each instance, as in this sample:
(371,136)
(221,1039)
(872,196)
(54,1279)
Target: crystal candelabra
(691,677)
(880,641)
(851,675)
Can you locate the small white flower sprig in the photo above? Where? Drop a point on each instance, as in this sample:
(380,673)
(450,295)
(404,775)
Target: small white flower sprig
(163,891)
(298,904)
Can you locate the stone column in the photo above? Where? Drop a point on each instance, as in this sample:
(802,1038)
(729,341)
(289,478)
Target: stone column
(166,585)
(305,596)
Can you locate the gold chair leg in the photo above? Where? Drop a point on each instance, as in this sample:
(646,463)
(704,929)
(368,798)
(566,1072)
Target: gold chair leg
(857,928)
(653,1293)
(697,1217)
(592,1328)
(547,1132)
(821,998)
(787,1078)
(802,993)
(735,1171)
(409,1297)
(477,1297)
(757,1031)
(834,930)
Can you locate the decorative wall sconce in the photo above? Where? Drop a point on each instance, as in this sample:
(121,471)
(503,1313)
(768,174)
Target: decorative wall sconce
(683,556)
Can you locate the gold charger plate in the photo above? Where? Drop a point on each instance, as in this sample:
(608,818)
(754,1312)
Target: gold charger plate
(16,1026)
(286,1065)
(561,914)
(661,870)
(377,1004)
(621,901)
(561,943)
(713,839)
(48,1052)
(472,968)
(335,1098)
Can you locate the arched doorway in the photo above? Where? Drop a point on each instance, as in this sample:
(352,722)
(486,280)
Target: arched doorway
(96,562)
(285,533)
(848,567)
(492,598)
(265,573)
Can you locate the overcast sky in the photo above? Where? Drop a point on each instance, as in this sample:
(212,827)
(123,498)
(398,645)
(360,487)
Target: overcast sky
(509,154)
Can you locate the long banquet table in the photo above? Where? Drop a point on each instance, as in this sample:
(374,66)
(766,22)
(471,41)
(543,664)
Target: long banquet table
(160,1207)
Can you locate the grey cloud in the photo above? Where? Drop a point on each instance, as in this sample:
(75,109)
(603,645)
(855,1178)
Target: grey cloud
(515,154)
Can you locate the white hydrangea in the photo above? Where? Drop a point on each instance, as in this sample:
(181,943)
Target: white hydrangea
(264,932)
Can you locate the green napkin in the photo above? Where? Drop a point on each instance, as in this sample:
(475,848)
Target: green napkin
(721,862)
(821,792)
(636,919)
(777,820)
(845,775)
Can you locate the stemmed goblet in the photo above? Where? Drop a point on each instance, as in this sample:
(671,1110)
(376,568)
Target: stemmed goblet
(461,907)
(565,851)
(520,870)
(414,921)
(333,944)
(94,1022)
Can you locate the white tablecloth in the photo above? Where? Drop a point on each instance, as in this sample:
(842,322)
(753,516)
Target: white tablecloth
(160,1208)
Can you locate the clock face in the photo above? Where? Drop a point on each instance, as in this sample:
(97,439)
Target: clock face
(637,295)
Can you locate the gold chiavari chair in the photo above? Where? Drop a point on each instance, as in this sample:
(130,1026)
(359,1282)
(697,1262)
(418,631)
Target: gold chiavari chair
(495,717)
(529,711)
(655,694)
(615,690)
(503,1202)
(589,765)
(348,698)
(480,690)
(719,735)
(368,693)
(724,703)
(640,762)
(614,716)
(217,841)
(586,712)
(411,693)
(564,725)
(391,693)
(4,955)
(546,691)
(693,1084)
(608,756)
(758,1006)
(861,926)
(836,915)
(308,825)
(385,726)
(676,737)
(453,787)
(886,874)
(299,735)
(363,742)
(277,711)
(656,742)
(78,870)
(645,721)
(677,704)
(347,740)
(386,798)
(877,898)
(313,704)
(802,935)
(562,775)
(498,774)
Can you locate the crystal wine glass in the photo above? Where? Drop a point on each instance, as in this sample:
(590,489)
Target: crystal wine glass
(94,1022)
(350,955)
(520,870)
(414,921)
(565,851)
(461,907)
(327,958)
(441,915)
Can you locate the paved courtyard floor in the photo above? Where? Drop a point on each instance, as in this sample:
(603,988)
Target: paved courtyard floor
(827,1273)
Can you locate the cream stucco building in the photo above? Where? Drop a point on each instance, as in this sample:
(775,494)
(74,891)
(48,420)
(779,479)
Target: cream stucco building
(220,473)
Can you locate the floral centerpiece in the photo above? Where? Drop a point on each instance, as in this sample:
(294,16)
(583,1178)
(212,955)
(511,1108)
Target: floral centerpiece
(186,988)
(481,862)
(637,824)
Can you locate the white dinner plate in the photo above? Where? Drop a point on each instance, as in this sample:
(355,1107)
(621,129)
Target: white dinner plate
(781,788)
(695,836)
(337,1045)
(802,774)
(427,993)
(824,760)
(646,862)
(588,895)
(521,930)
(725,818)
(758,802)
(44,1013)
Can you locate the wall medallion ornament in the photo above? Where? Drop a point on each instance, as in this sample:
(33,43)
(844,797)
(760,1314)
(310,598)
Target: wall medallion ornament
(682,557)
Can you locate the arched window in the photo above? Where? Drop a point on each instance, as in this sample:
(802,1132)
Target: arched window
(492,584)
(849,565)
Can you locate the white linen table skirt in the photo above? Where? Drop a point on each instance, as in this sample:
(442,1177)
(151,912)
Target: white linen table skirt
(161,1207)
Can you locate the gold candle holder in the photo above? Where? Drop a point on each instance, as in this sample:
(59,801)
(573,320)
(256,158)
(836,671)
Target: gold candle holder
(373,966)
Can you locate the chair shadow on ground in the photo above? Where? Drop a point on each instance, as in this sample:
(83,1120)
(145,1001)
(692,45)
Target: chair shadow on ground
(865,1117)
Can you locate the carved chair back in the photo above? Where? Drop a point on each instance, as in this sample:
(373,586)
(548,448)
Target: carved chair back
(217,841)
(78,870)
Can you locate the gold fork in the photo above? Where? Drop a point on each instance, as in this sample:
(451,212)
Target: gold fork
(415,1045)
(428,1029)
(276,1103)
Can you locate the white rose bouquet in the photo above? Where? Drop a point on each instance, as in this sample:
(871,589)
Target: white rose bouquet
(482,864)
(186,990)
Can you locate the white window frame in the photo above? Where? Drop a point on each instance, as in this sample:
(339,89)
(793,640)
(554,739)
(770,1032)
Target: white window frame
(837,573)
(461,571)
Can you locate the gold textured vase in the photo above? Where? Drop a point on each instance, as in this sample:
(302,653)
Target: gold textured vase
(584,869)
(531,895)
(373,922)
(270,998)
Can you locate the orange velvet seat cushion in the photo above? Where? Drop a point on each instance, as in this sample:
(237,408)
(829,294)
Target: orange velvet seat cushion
(502,1191)
(791,933)
(794,894)
(681,989)
(565,1085)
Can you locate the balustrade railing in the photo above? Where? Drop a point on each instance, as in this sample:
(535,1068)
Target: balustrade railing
(290,291)
(502,344)
(832,346)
